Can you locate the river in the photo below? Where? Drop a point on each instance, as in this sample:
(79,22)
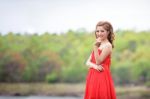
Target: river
(38,97)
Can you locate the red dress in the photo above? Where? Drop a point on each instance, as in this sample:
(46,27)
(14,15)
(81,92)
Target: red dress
(99,85)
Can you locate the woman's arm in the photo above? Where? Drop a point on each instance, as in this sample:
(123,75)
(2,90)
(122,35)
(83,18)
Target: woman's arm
(89,63)
(105,52)
(92,65)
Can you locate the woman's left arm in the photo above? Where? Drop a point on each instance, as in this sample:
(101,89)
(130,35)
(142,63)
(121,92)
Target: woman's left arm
(105,52)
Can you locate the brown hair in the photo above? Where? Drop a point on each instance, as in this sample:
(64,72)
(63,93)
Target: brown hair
(107,26)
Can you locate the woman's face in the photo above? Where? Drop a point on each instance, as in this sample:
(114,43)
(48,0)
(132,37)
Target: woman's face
(101,32)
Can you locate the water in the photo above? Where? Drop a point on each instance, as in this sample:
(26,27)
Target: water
(56,97)
(38,97)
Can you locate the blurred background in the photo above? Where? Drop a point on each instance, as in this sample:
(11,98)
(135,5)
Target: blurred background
(44,45)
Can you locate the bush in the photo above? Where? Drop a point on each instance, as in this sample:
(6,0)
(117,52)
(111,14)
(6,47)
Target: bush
(52,78)
(147,84)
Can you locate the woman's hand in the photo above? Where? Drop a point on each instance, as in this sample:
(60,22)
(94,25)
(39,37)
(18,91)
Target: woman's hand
(98,42)
(99,68)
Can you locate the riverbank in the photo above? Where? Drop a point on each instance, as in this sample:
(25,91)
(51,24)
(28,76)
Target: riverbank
(67,89)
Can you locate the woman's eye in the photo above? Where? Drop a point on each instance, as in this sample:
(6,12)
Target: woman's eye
(99,31)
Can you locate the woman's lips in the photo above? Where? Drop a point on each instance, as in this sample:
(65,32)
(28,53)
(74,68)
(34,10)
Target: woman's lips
(99,36)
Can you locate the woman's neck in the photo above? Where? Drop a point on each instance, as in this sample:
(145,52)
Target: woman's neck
(104,41)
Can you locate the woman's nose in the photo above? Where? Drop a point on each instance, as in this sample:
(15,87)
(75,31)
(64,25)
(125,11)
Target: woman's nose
(99,33)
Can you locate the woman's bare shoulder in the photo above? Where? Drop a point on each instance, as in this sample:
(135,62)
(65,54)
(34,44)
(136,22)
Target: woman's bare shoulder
(108,46)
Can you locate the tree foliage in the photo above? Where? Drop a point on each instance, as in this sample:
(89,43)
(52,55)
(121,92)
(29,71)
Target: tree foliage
(61,57)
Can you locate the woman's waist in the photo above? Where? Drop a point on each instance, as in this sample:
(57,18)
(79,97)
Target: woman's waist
(105,66)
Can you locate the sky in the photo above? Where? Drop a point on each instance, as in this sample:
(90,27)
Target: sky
(58,16)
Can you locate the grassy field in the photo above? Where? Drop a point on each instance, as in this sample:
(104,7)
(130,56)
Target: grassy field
(65,89)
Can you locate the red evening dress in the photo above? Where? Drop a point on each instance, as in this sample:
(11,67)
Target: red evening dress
(99,85)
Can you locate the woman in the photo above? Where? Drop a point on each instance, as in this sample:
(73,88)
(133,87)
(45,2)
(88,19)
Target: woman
(99,84)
